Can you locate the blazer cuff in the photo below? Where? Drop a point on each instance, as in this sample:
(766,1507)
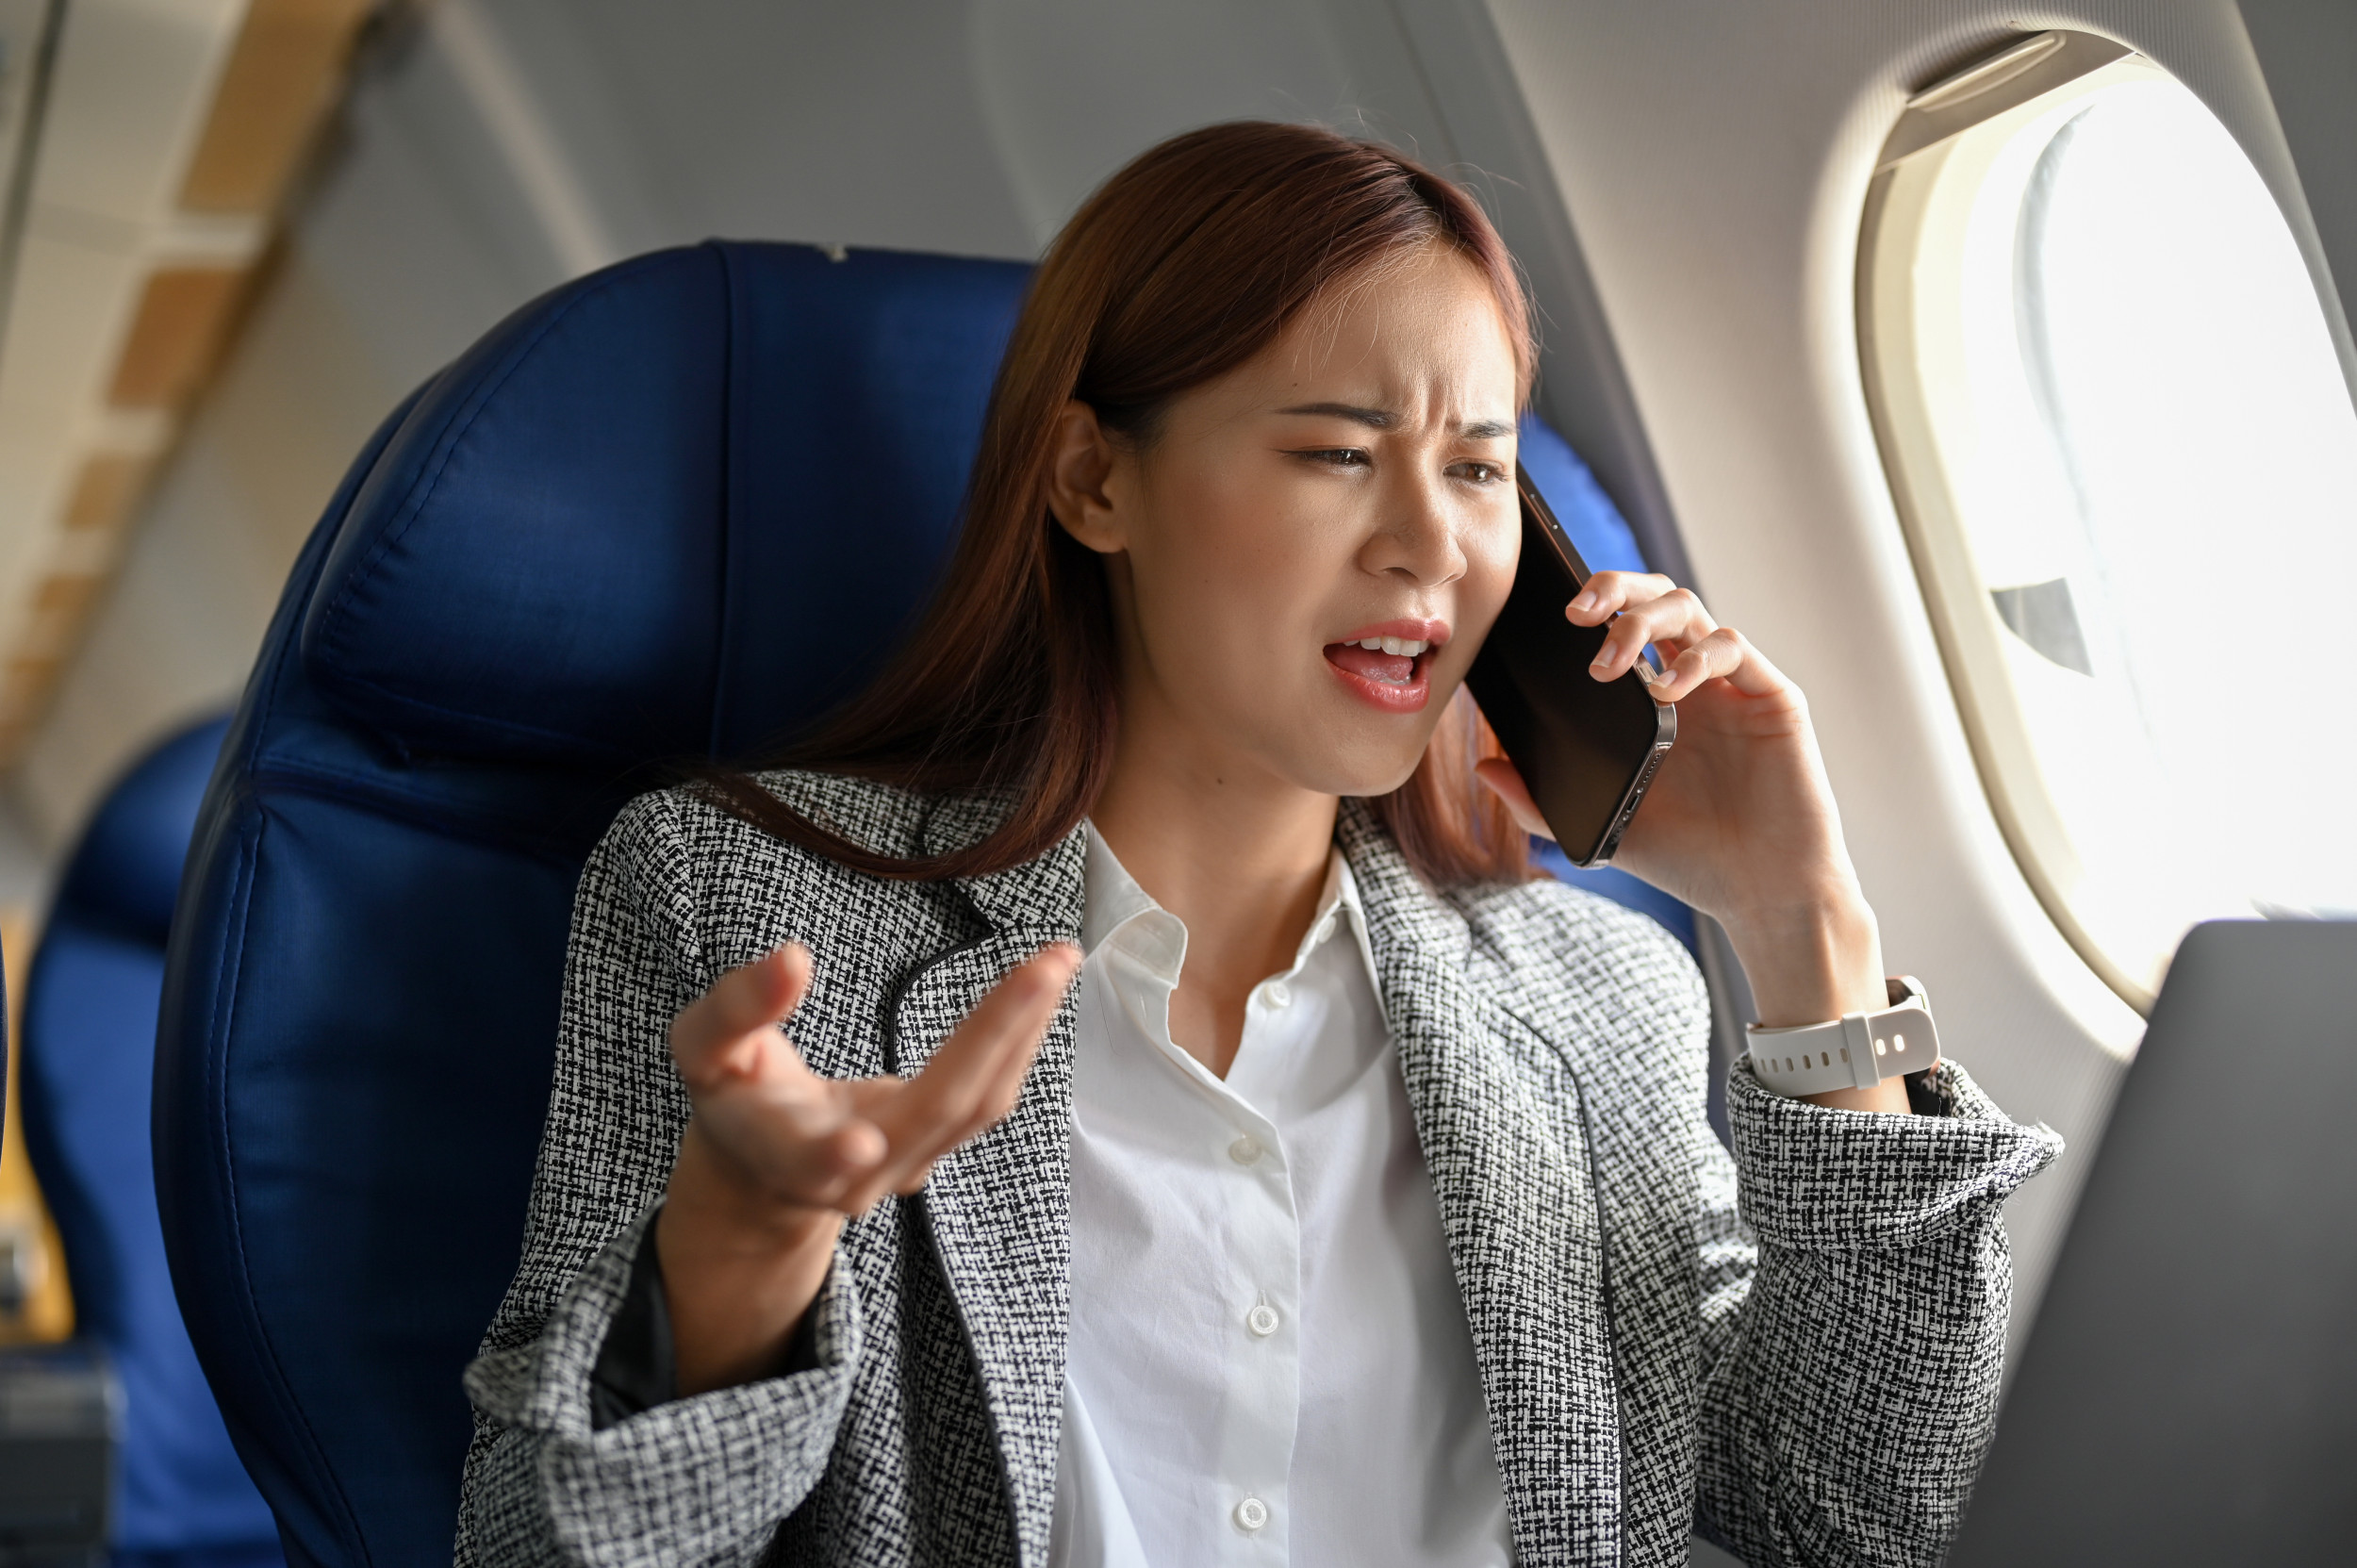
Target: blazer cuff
(547,1385)
(1815,1179)
(637,1368)
(664,1479)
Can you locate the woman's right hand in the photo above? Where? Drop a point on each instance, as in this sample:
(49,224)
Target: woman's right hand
(776,1157)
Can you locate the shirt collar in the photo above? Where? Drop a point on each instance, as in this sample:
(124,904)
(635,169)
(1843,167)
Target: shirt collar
(1116,907)
(1111,897)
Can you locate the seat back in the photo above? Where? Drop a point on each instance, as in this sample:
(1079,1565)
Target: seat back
(88,1057)
(671,510)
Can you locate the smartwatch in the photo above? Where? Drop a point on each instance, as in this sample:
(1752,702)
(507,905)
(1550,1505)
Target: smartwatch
(1856,1052)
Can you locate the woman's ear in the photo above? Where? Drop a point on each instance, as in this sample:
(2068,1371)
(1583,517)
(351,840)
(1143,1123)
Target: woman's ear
(1080,480)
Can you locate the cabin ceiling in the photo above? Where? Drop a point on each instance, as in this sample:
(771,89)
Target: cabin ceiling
(150,145)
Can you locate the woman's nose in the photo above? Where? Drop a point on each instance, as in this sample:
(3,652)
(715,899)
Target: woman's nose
(1415,535)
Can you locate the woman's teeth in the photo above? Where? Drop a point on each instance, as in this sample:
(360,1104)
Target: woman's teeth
(1386,661)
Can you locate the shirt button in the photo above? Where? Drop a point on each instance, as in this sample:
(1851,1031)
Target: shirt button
(1251,1514)
(1245,1149)
(1276,993)
(1261,1320)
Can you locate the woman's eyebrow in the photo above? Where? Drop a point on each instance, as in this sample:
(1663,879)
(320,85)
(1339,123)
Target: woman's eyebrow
(1383,419)
(1378,419)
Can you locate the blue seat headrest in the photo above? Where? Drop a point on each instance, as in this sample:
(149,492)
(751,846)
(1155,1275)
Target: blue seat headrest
(606,514)
(125,872)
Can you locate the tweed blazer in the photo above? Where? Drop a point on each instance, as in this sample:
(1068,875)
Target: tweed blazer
(1802,1362)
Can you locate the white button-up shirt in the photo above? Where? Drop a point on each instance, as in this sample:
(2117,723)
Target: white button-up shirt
(1269,1358)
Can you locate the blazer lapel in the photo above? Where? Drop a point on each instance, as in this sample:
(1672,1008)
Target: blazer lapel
(999,1208)
(1499,1119)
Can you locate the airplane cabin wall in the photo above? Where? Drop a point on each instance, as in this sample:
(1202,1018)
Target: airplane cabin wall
(2307,50)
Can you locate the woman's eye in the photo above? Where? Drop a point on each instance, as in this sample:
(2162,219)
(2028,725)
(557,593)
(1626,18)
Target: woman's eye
(1340,457)
(1482,473)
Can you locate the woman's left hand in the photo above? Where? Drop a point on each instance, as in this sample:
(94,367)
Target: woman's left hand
(1740,821)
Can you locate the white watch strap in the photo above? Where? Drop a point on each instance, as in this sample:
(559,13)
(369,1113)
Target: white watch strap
(1854,1052)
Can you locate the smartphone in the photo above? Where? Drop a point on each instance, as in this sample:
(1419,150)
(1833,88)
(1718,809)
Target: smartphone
(1587,748)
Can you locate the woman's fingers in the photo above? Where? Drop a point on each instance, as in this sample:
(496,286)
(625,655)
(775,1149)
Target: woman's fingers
(793,1134)
(842,1144)
(1727,655)
(1717,655)
(728,1030)
(1506,781)
(975,1077)
(1646,607)
(1608,593)
(1671,615)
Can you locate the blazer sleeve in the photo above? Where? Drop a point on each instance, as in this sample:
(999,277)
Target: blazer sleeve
(705,1479)
(1851,1368)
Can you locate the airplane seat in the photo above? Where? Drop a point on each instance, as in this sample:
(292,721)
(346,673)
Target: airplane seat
(670,510)
(181,1497)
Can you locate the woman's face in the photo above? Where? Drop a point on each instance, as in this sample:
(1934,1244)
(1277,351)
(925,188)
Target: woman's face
(1351,485)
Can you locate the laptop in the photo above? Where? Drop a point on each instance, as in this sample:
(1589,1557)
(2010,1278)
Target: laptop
(2189,1392)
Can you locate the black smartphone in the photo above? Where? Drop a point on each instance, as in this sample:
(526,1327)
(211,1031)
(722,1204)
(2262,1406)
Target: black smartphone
(1587,748)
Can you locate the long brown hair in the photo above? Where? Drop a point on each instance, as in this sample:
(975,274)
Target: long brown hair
(1181,267)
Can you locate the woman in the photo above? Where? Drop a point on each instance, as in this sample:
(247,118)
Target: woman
(1357,1205)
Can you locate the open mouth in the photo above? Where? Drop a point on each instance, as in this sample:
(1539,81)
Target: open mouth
(1388,666)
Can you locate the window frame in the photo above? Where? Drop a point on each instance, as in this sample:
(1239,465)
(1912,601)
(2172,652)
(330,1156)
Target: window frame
(1909,288)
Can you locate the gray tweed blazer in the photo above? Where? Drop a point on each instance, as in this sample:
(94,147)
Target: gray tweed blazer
(1802,1362)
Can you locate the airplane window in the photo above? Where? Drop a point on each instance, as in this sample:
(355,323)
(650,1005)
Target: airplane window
(2125,454)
